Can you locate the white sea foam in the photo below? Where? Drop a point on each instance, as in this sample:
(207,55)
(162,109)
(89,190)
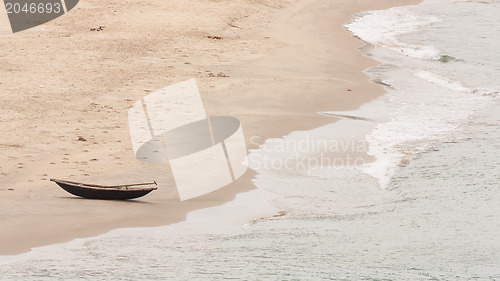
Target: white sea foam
(438,220)
(441,81)
(381,28)
(430,109)
(432,100)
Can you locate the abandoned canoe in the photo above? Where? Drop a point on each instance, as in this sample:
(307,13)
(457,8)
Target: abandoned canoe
(117,192)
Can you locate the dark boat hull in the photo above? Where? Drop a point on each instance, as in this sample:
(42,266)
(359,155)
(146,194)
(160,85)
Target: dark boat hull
(103,193)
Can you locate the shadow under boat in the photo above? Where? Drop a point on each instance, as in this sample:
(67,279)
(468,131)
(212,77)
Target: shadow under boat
(115,192)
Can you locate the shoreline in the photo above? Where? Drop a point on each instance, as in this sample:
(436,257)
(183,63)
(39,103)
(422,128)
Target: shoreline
(267,86)
(196,222)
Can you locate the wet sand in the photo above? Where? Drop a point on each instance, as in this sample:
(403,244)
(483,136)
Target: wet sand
(282,62)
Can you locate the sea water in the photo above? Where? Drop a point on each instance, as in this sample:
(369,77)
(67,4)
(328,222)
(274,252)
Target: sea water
(412,193)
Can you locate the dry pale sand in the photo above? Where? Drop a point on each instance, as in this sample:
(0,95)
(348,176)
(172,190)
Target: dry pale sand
(286,60)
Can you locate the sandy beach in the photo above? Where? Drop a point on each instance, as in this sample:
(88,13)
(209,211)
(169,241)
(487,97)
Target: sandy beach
(66,91)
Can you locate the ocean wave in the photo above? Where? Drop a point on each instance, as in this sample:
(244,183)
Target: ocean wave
(435,83)
(381,28)
(431,109)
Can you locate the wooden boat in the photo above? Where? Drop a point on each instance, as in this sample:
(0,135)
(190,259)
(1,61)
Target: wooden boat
(116,192)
